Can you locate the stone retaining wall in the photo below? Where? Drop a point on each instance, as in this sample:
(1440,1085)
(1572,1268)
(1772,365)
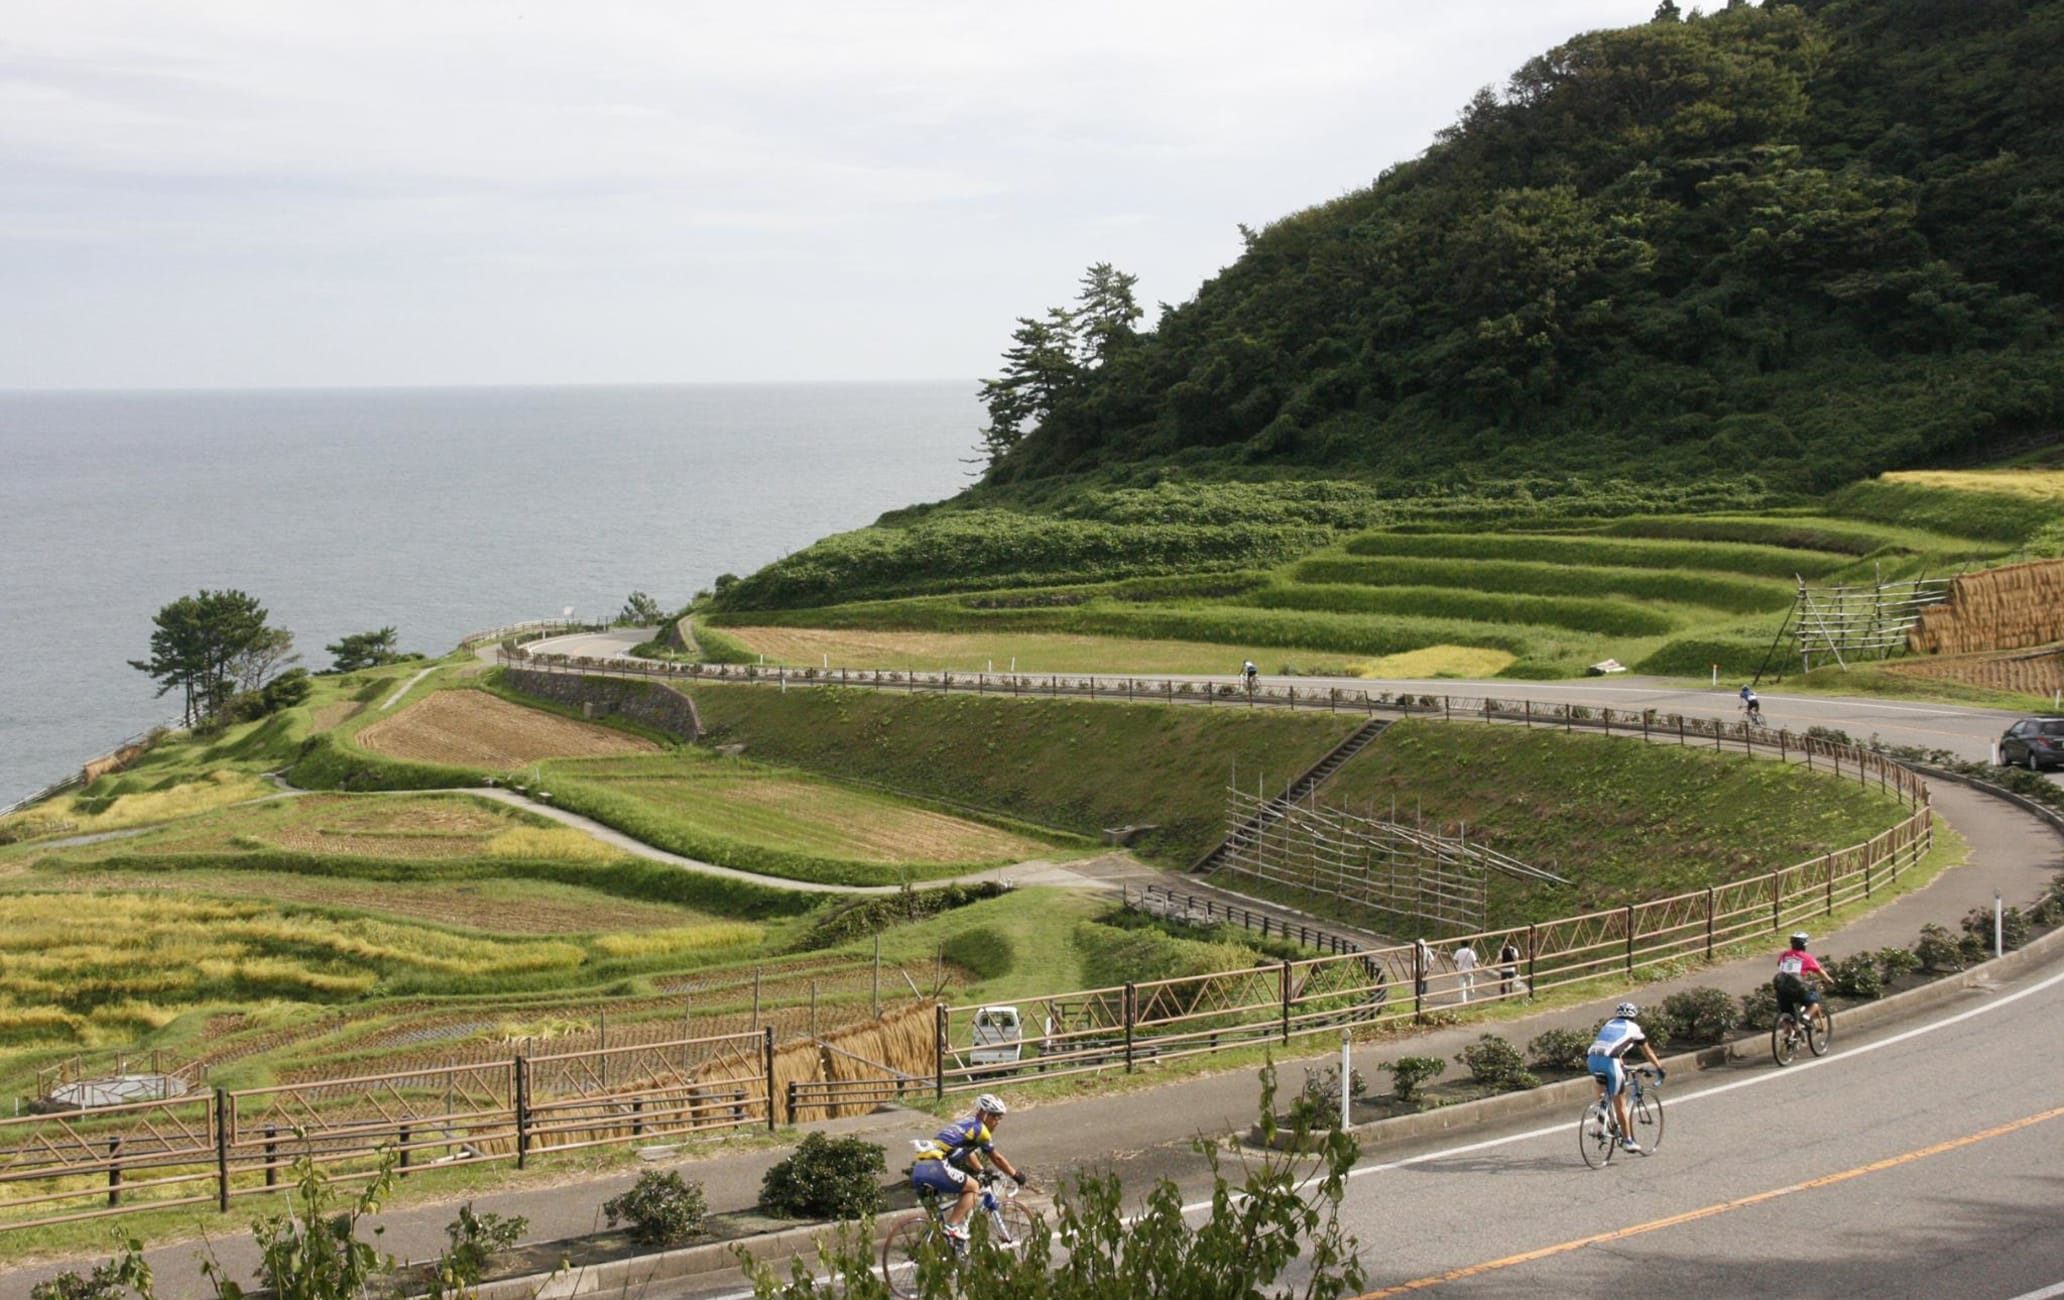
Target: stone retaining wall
(652,704)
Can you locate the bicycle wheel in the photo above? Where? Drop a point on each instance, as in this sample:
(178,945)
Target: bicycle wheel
(1820,1032)
(1647,1114)
(1784,1040)
(912,1236)
(1595,1137)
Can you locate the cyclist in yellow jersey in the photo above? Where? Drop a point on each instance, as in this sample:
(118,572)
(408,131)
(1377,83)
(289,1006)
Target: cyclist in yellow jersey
(944,1162)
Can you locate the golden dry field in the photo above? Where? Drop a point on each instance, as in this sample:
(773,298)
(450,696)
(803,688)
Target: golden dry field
(975,652)
(471,728)
(2019,671)
(2040,484)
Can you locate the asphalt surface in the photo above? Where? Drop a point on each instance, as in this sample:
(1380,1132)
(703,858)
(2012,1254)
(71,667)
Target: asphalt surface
(1966,732)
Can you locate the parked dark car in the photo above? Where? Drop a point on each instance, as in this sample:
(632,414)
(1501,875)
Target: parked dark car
(2034,743)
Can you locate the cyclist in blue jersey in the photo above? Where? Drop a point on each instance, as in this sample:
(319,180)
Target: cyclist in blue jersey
(944,1162)
(1617,1037)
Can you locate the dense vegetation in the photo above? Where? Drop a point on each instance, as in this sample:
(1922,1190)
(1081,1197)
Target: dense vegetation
(1811,240)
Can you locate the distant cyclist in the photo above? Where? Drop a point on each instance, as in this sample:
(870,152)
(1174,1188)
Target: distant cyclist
(1617,1037)
(1250,672)
(1753,704)
(1795,997)
(944,1163)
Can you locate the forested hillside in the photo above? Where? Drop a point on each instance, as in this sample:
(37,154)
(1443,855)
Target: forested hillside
(1809,241)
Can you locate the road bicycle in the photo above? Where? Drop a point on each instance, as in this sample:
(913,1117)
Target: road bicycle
(1007,1223)
(1598,1132)
(1818,1033)
(1754,717)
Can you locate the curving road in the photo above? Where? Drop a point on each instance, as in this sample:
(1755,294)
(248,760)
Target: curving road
(1964,731)
(1927,1163)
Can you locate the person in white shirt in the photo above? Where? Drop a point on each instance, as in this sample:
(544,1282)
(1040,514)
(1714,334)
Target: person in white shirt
(1465,969)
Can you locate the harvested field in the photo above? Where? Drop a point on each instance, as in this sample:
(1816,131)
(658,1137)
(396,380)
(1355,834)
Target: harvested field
(376,826)
(498,906)
(2039,672)
(975,652)
(761,806)
(470,728)
(2037,484)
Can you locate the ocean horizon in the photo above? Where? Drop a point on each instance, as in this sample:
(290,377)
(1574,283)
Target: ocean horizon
(440,511)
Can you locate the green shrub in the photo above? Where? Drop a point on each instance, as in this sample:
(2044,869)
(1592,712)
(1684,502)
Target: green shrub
(1558,1049)
(1702,1015)
(2013,927)
(1316,1107)
(661,1209)
(1856,977)
(1938,950)
(827,1178)
(1759,1008)
(984,952)
(1407,1073)
(859,919)
(1497,1063)
(471,1241)
(111,1280)
(1894,962)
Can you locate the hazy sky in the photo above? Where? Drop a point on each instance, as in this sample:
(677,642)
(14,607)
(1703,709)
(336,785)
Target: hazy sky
(207,193)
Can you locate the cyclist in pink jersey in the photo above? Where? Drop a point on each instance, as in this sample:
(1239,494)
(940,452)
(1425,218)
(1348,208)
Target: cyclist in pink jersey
(1795,997)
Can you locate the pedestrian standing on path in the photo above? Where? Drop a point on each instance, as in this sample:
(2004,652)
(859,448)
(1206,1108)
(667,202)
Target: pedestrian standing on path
(1508,966)
(1422,968)
(1465,969)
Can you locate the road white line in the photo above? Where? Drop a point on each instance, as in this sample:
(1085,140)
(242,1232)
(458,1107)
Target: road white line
(1792,1072)
(1773,1076)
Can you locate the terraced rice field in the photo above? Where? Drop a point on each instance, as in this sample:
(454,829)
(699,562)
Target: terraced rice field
(1668,594)
(520,907)
(778,810)
(975,652)
(410,827)
(470,728)
(2039,484)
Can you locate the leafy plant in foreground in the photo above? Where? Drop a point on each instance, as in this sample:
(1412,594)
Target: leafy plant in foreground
(1283,1211)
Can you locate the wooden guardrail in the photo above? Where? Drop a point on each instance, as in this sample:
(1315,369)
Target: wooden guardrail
(213,1147)
(1650,724)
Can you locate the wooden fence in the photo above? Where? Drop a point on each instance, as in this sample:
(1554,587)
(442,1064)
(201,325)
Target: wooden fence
(1087,1031)
(212,1147)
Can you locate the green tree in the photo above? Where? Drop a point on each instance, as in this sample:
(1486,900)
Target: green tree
(1105,313)
(198,640)
(1039,368)
(271,652)
(640,610)
(364,650)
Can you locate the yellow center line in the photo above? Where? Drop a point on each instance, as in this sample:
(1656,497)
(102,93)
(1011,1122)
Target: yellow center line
(1707,1212)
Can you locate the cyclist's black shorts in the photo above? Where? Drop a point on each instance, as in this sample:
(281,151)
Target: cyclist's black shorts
(1793,994)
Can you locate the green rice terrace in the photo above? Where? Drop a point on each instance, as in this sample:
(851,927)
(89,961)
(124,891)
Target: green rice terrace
(1515,580)
(274,936)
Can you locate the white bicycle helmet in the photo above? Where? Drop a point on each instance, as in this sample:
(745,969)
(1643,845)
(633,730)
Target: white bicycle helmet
(1626,1011)
(1800,938)
(991,1104)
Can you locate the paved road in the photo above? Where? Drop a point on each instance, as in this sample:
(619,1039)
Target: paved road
(1924,1163)
(1964,731)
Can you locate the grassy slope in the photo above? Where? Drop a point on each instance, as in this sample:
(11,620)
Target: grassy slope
(1076,765)
(1623,820)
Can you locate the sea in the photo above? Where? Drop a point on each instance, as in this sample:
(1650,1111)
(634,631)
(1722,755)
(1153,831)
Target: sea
(439,511)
